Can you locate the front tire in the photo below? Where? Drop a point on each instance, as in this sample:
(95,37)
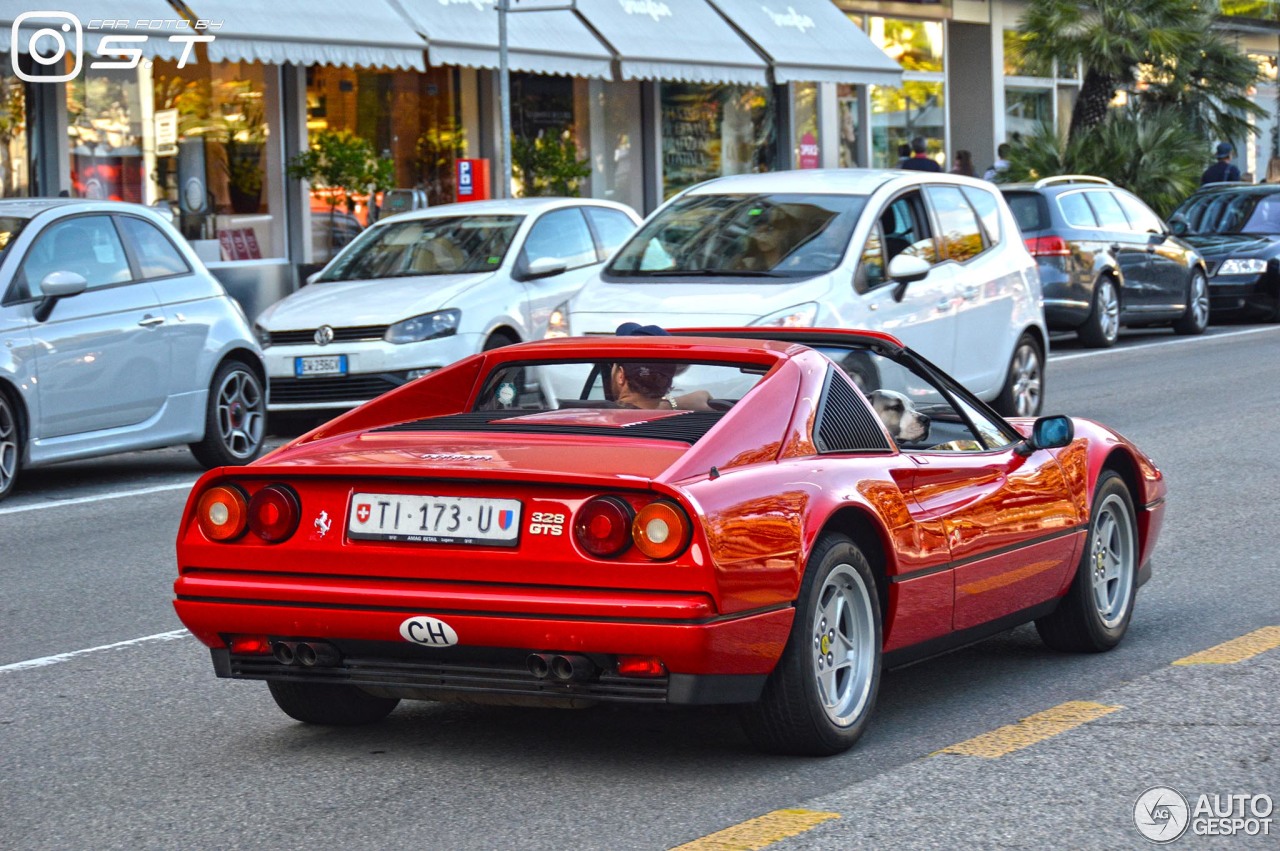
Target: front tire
(235,418)
(1102,328)
(330,704)
(1023,391)
(1196,319)
(1095,613)
(819,698)
(10,444)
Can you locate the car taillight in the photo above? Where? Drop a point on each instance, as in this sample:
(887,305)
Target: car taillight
(222,513)
(1048,246)
(660,530)
(641,666)
(274,513)
(603,526)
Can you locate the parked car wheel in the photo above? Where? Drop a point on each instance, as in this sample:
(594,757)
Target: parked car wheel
(1095,613)
(10,445)
(236,418)
(1102,327)
(1023,391)
(820,696)
(331,704)
(1196,319)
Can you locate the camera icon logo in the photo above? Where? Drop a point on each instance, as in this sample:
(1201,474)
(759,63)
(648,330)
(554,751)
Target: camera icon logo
(48,44)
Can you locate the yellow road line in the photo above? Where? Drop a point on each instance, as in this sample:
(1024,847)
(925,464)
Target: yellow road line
(1237,649)
(759,832)
(1028,731)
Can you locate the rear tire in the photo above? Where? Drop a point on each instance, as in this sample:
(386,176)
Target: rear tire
(819,698)
(1023,391)
(330,704)
(1196,319)
(1102,328)
(235,421)
(1095,613)
(10,444)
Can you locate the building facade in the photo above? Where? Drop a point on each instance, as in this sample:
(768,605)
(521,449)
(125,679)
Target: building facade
(630,100)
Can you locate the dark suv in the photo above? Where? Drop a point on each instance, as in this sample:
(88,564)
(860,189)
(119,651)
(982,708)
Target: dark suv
(1106,259)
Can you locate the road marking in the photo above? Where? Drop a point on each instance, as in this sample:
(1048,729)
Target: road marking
(81,500)
(1030,730)
(1147,346)
(760,832)
(1237,649)
(63,657)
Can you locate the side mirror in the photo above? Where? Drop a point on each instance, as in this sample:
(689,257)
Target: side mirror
(906,269)
(57,285)
(1048,433)
(545,267)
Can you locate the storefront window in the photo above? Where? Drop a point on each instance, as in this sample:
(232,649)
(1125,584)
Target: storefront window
(899,115)
(13,134)
(711,131)
(548,149)
(1016,61)
(617,171)
(1026,110)
(104,130)
(847,102)
(915,45)
(804,130)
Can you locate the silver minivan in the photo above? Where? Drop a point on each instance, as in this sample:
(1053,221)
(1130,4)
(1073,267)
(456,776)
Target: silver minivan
(115,337)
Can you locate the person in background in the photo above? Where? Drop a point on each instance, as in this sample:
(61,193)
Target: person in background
(963,164)
(1273,171)
(1000,165)
(920,160)
(1221,171)
(904,154)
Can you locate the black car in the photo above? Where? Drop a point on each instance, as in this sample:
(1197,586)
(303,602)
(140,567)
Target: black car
(1107,260)
(1236,228)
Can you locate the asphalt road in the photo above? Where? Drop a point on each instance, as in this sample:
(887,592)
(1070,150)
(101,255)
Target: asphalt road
(139,746)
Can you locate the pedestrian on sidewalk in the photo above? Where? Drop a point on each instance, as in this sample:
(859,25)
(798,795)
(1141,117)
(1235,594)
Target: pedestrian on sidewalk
(1221,171)
(920,160)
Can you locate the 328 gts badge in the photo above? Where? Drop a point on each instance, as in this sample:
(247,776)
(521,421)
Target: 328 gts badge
(546,523)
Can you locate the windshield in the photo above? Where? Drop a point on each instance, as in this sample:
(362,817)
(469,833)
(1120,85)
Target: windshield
(1227,212)
(735,236)
(449,245)
(10,227)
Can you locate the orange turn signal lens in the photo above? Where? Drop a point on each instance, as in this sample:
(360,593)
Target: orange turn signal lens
(661,530)
(222,513)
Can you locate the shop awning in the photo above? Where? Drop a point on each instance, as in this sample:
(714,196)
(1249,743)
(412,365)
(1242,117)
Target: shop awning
(810,41)
(369,33)
(465,32)
(91,20)
(683,40)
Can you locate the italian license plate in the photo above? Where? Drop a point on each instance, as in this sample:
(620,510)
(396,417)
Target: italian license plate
(434,519)
(321,365)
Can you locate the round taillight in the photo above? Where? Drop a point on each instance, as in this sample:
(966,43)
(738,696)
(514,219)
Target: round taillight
(603,526)
(660,530)
(274,513)
(222,513)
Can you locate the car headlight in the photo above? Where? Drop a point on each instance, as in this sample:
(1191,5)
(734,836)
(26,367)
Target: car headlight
(428,326)
(558,321)
(799,316)
(1243,266)
(263,335)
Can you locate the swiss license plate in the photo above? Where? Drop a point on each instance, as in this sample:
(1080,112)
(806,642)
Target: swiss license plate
(434,519)
(320,365)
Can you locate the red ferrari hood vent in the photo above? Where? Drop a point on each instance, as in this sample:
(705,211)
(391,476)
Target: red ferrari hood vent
(683,426)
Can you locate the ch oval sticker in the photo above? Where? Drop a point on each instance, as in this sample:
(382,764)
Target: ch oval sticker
(428,631)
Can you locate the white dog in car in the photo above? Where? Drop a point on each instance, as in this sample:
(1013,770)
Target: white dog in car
(900,417)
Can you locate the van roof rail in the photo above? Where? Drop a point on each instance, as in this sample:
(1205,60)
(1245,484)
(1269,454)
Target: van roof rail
(1072,178)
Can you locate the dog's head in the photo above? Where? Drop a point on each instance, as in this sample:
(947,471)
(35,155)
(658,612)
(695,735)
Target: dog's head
(900,417)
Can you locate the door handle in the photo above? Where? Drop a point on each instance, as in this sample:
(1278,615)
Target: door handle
(942,305)
(149,320)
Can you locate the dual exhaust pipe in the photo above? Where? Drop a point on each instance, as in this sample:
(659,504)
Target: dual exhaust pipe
(308,654)
(561,667)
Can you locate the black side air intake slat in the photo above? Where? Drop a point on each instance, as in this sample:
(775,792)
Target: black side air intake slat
(686,427)
(845,422)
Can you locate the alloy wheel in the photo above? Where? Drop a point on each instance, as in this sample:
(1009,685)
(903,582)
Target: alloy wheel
(9,449)
(241,413)
(1028,380)
(1111,560)
(843,654)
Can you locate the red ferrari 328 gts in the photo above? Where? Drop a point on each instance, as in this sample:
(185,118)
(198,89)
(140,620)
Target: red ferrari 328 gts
(784,514)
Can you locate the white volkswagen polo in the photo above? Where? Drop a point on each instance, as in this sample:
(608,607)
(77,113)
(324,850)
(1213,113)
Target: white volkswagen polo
(934,259)
(420,290)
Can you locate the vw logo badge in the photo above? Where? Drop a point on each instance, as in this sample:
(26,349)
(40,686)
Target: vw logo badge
(324,335)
